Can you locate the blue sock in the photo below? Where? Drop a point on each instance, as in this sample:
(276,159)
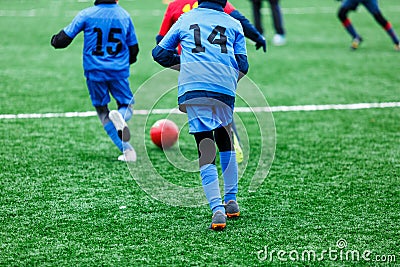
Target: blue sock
(126,146)
(352,31)
(393,35)
(113,134)
(230,173)
(349,27)
(126,112)
(209,180)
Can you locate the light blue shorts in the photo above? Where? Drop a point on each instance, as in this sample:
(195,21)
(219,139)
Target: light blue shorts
(204,118)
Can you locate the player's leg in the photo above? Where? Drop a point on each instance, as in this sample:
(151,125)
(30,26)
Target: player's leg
(99,95)
(125,110)
(201,121)
(100,98)
(277,16)
(209,177)
(224,140)
(373,8)
(277,19)
(103,114)
(256,5)
(344,9)
(122,93)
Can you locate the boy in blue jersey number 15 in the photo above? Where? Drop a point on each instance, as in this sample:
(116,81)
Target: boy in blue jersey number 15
(212,60)
(110,46)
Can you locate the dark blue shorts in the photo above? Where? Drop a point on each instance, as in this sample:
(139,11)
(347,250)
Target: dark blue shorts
(370,5)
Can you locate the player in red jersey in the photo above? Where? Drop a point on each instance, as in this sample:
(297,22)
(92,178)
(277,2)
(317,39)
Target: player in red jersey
(176,8)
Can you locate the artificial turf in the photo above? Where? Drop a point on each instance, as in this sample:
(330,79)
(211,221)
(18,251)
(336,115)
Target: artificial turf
(65,200)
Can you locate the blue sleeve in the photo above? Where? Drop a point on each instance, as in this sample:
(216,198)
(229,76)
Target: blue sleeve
(171,40)
(133,52)
(164,53)
(159,38)
(76,26)
(164,57)
(242,63)
(249,30)
(131,38)
(239,45)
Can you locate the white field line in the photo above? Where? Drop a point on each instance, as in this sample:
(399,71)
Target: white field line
(237,110)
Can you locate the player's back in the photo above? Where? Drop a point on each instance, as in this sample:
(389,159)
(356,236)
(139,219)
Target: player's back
(108,31)
(209,40)
(208,35)
(105,34)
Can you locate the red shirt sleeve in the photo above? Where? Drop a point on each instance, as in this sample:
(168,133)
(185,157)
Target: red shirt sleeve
(229,8)
(168,20)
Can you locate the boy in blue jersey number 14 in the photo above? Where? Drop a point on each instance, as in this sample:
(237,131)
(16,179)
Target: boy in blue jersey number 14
(110,46)
(212,60)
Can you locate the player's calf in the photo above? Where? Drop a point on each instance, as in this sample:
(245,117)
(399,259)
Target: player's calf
(120,125)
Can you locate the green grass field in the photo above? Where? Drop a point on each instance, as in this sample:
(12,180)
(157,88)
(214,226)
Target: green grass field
(65,200)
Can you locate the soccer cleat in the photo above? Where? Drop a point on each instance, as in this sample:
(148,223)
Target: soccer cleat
(397,47)
(129,155)
(120,125)
(238,148)
(218,221)
(279,40)
(356,43)
(232,209)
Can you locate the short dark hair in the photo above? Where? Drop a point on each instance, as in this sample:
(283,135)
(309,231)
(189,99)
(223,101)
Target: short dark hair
(221,2)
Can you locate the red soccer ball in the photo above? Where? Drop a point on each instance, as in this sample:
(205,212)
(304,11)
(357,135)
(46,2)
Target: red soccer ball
(164,133)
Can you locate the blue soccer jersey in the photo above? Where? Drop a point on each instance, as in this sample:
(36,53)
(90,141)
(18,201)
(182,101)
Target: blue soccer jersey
(108,32)
(210,39)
